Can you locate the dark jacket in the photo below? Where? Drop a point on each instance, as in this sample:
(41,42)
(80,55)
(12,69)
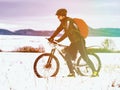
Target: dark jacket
(70,30)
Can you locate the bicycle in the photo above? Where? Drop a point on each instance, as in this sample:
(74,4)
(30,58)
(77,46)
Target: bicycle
(47,64)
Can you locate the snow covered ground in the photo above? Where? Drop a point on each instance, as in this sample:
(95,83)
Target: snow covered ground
(16,69)
(12,42)
(16,73)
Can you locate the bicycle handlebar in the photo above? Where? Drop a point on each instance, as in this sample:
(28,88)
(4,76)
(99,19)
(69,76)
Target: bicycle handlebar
(61,45)
(56,43)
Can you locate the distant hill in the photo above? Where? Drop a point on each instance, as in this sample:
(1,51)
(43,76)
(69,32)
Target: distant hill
(111,32)
(5,32)
(28,32)
(33,32)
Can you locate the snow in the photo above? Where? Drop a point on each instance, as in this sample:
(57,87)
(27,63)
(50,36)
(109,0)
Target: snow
(11,42)
(16,72)
(16,69)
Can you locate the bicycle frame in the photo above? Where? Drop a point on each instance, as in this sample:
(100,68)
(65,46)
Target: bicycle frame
(55,47)
(79,66)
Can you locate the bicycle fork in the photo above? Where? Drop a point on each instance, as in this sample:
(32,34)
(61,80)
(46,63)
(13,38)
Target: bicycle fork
(48,65)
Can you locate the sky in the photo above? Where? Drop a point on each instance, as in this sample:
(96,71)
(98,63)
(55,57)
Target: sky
(40,14)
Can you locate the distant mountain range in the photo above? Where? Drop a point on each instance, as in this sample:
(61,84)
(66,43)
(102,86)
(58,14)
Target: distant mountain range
(110,32)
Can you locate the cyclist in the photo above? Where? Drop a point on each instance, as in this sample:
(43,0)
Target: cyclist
(77,41)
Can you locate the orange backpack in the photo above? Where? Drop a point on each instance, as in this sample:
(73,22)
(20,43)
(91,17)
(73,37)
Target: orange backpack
(83,27)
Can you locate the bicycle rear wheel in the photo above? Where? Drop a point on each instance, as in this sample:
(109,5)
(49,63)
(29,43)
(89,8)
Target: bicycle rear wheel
(84,69)
(43,69)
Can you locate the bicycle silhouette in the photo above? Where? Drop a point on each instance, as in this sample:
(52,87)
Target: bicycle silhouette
(47,64)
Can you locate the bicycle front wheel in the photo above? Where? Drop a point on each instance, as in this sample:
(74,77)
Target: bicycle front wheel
(43,68)
(84,68)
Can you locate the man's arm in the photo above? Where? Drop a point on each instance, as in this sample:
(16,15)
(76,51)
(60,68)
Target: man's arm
(57,31)
(62,37)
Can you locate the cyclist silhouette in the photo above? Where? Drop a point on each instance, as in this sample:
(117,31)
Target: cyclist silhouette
(77,41)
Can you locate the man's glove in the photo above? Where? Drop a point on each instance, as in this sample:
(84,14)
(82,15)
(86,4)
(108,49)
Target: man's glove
(50,39)
(57,41)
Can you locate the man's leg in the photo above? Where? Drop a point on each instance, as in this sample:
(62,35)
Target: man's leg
(84,54)
(68,58)
(69,63)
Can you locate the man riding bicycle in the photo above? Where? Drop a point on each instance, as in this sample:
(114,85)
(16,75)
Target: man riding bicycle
(77,41)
